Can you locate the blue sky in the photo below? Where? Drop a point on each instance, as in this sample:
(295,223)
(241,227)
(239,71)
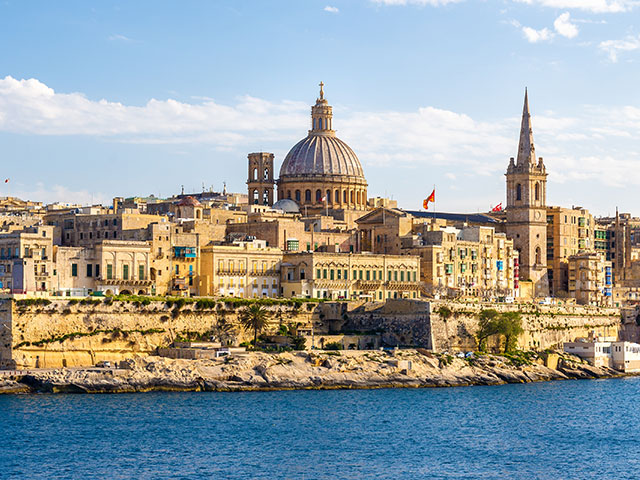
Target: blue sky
(99,99)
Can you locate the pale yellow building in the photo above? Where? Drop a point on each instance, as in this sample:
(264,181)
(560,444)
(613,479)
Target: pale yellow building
(111,266)
(26,260)
(590,280)
(350,276)
(569,231)
(247,269)
(468,262)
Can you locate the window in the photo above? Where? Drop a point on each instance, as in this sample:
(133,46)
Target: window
(97,270)
(368,274)
(318,273)
(518,192)
(74,269)
(331,274)
(346,276)
(537,191)
(297,195)
(318,196)
(89,270)
(307,196)
(177,269)
(125,272)
(324,273)
(109,271)
(140,272)
(336,196)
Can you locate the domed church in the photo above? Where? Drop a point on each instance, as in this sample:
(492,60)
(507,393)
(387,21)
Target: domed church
(319,173)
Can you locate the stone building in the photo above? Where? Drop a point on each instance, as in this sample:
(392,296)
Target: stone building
(469,262)
(260,181)
(241,269)
(570,231)
(26,260)
(110,266)
(590,279)
(350,276)
(526,215)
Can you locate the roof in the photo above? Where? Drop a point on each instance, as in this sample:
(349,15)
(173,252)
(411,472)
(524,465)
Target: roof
(189,202)
(454,217)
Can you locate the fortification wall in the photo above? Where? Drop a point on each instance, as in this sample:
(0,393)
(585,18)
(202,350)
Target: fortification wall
(419,323)
(71,334)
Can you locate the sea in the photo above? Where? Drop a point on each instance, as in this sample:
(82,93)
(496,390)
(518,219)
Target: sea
(585,429)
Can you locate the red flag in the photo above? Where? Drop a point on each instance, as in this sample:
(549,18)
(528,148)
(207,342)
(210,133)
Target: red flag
(6,180)
(430,198)
(497,208)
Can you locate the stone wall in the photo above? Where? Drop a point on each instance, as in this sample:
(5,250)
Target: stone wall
(419,323)
(70,334)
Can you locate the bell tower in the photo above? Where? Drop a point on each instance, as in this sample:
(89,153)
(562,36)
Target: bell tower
(260,181)
(527,208)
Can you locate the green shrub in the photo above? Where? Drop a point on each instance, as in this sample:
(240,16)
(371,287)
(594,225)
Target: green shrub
(333,346)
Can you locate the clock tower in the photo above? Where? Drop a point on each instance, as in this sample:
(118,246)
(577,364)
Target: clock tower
(526,208)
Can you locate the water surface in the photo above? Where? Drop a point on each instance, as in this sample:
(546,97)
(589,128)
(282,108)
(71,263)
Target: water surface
(555,430)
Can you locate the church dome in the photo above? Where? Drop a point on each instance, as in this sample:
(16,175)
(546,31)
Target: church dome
(321,152)
(321,172)
(287,206)
(321,155)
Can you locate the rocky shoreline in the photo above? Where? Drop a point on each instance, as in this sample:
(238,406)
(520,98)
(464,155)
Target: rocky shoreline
(258,371)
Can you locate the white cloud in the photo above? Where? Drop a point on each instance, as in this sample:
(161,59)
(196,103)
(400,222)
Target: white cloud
(613,47)
(120,38)
(534,36)
(434,3)
(564,27)
(595,6)
(599,144)
(58,193)
(331,9)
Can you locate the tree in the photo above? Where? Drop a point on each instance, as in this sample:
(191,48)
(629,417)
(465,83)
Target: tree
(507,325)
(254,317)
(511,328)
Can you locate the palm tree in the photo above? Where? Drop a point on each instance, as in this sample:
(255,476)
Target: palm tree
(254,317)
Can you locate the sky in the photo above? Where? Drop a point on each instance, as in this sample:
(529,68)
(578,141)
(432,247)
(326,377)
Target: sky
(101,99)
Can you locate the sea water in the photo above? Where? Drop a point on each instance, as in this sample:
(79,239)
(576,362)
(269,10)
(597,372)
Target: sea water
(556,430)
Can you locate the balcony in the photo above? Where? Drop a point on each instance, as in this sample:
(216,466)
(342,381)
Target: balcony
(184,252)
(122,282)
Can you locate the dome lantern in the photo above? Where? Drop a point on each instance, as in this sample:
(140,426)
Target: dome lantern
(322,116)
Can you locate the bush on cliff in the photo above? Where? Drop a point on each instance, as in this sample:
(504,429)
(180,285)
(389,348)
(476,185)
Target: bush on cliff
(333,346)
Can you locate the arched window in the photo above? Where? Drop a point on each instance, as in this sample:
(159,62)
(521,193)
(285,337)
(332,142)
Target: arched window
(537,191)
(328,196)
(352,199)
(297,195)
(255,173)
(358,197)
(344,196)
(314,123)
(320,124)
(538,256)
(318,196)
(307,196)
(336,196)
(518,192)
(265,197)
(289,194)
(266,174)
(256,197)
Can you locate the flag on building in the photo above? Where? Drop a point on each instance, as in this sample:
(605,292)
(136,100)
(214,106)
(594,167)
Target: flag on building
(430,198)
(497,208)
(324,199)
(6,180)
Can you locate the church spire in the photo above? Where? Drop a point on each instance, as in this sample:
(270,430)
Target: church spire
(526,150)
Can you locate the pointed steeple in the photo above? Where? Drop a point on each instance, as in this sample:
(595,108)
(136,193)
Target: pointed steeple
(526,150)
